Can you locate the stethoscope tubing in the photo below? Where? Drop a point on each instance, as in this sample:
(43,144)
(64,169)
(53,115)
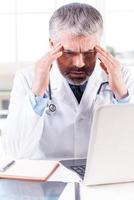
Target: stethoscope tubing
(52,107)
(102,84)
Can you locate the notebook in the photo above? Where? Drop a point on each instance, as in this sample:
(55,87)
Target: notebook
(37,170)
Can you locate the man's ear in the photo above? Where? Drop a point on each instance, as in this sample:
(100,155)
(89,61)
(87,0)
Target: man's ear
(50,43)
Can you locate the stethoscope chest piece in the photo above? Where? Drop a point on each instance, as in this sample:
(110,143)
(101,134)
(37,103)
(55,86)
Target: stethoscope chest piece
(52,107)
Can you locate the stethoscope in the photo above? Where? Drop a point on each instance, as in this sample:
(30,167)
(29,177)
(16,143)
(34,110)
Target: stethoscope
(52,106)
(101,85)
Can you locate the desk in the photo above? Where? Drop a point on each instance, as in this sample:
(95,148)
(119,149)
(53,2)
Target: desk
(27,190)
(36,191)
(124,191)
(109,192)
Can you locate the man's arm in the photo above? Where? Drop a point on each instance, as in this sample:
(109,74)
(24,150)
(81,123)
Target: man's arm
(23,126)
(118,84)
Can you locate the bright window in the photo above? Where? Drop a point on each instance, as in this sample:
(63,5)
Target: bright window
(119,29)
(24,28)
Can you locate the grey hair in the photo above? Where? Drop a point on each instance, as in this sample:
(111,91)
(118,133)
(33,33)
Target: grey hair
(76,19)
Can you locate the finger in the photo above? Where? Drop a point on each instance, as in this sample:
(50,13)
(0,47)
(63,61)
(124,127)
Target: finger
(56,55)
(52,52)
(103,67)
(50,67)
(108,66)
(104,52)
(48,59)
(105,62)
(107,58)
(56,49)
(99,47)
(107,55)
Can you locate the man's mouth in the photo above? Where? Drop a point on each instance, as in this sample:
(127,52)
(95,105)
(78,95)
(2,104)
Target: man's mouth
(77,72)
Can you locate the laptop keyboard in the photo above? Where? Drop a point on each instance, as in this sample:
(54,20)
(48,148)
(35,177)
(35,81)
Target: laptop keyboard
(77,165)
(79,169)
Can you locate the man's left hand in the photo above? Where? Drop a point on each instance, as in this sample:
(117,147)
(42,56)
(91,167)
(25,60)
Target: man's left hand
(112,68)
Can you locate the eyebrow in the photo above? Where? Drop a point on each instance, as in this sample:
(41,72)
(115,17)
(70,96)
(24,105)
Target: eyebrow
(70,51)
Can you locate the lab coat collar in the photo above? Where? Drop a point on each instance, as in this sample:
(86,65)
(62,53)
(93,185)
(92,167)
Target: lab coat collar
(64,91)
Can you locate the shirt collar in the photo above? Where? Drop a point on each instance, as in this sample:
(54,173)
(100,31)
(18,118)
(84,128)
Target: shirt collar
(82,87)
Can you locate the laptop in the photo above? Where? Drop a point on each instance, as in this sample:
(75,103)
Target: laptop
(110,157)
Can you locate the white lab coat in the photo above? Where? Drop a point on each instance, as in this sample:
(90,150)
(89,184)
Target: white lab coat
(62,134)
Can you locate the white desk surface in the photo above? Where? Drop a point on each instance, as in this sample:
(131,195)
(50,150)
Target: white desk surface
(124,191)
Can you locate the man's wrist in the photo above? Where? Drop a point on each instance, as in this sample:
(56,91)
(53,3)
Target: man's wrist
(119,96)
(125,99)
(38,102)
(38,91)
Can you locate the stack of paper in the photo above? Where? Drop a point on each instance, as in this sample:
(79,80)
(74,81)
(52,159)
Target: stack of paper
(39,170)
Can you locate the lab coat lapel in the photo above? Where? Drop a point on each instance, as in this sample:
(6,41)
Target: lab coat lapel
(69,95)
(91,89)
(63,92)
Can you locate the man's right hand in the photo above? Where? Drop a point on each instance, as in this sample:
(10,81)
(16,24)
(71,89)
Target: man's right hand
(42,69)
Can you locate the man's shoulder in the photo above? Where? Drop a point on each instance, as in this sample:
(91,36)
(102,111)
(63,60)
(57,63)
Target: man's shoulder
(126,69)
(27,72)
(24,76)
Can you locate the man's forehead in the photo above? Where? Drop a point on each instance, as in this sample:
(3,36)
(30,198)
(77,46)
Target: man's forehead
(78,43)
(78,48)
(80,51)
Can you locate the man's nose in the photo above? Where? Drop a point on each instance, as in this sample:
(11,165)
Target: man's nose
(79,61)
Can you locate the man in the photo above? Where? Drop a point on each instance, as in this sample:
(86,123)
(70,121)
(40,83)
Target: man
(36,129)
